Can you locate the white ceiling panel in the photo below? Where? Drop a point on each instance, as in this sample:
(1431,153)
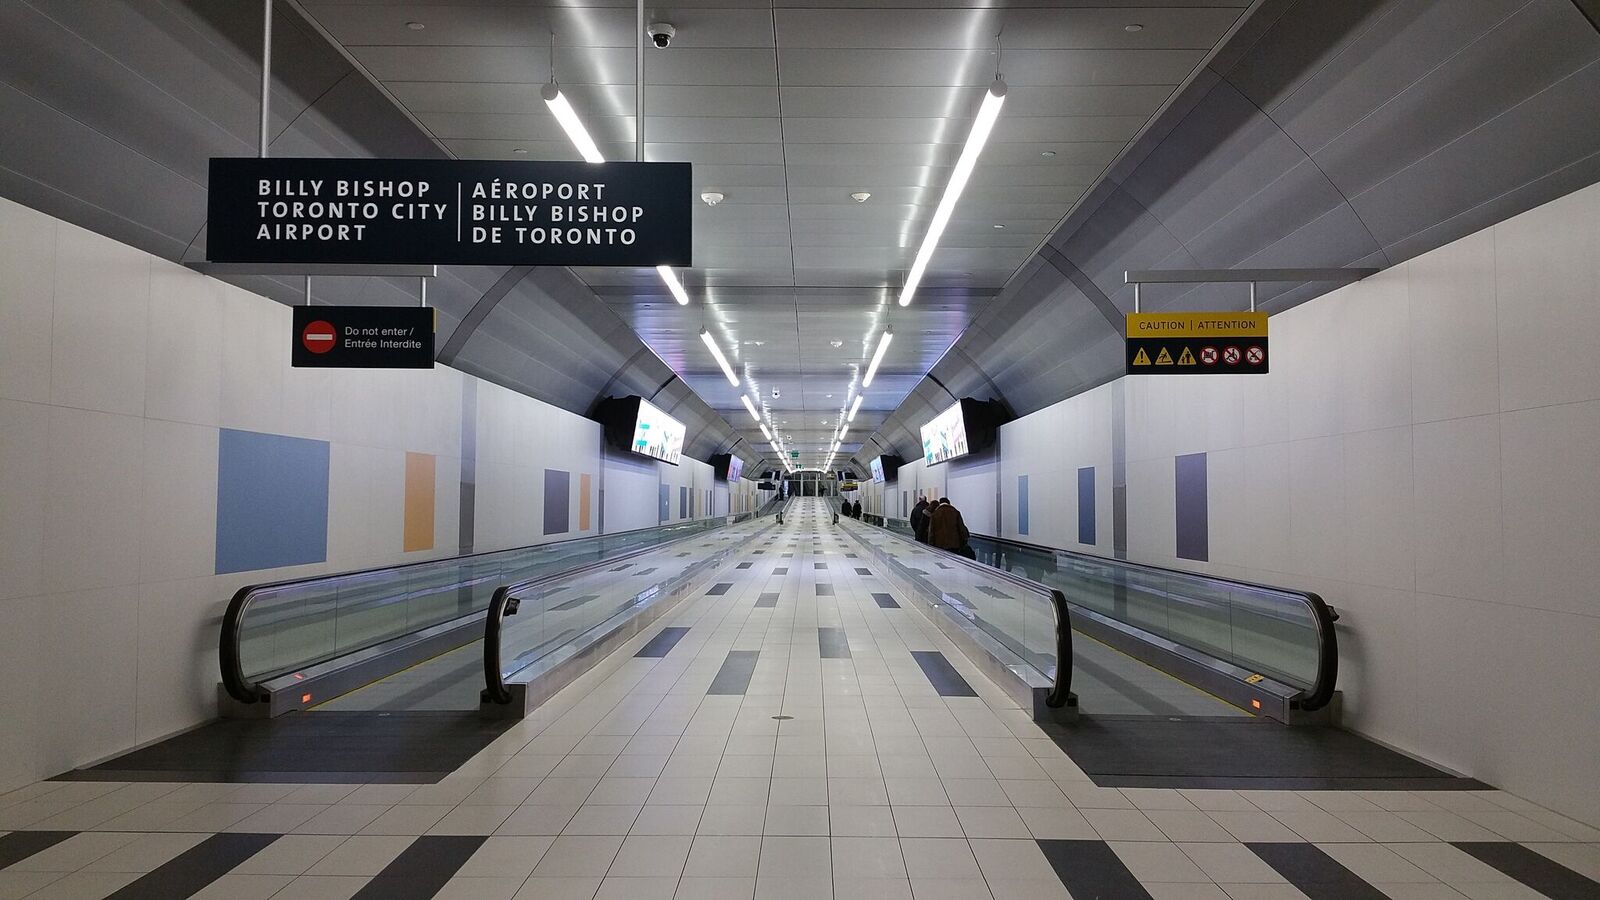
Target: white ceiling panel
(786,110)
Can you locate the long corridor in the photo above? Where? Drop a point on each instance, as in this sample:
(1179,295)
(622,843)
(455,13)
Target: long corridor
(790,731)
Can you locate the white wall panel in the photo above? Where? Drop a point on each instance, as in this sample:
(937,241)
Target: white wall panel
(102,303)
(27,301)
(24,496)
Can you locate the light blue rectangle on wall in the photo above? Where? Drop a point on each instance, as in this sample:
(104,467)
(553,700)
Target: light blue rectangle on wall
(272,501)
(666,502)
(1086,505)
(557,500)
(1022,504)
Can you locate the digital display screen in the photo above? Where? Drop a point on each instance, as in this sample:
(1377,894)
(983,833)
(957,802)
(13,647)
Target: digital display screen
(945,438)
(656,434)
(735,468)
(877,469)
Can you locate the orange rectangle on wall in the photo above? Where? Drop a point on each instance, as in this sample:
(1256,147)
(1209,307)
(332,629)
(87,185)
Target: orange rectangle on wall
(584,481)
(420,469)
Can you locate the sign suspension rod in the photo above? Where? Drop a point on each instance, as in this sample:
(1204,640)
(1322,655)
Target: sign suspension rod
(266,73)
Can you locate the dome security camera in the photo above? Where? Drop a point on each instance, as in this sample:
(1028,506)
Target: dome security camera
(661,34)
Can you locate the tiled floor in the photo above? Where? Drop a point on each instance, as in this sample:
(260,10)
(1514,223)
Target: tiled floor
(669,774)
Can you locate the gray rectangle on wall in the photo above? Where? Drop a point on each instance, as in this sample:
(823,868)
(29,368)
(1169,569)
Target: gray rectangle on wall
(1022,504)
(1189,479)
(557,500)
(1086,505)
(666,502)
(683,503)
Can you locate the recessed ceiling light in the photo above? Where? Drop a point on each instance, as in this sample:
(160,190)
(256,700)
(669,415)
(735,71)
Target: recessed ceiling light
(755,343)
(415,26)
(835,345)
(1047,153)
(998,225)
(861,196)
(520,150)
(1133,27)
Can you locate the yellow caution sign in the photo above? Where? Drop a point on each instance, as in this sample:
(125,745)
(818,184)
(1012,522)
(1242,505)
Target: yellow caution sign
(1186,358)
(1197,325)
(1163,358)
(1143,359)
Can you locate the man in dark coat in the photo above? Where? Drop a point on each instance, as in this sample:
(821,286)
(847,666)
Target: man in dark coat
(948,531)
(919,520)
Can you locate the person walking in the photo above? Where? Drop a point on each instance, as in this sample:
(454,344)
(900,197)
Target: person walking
(919,520)
(948,531)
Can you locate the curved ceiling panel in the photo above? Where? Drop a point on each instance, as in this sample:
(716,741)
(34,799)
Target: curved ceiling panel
(113,110)
(1357,133)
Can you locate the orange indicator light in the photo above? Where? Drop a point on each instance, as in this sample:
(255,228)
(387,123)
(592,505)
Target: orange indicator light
(1255,704)
(306,698)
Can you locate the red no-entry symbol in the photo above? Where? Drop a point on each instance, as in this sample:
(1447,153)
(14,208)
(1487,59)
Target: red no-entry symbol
(1230,355)
(318,337)
(1208,355)
(1254,356)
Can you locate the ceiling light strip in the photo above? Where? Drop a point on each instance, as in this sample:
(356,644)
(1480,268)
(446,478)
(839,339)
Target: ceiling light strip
(751,409)
(673,284)
(855,408)
(570,123)
(877,357)
(981,127)
(711,344)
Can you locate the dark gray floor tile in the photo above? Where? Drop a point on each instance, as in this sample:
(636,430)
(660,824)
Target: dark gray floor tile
(1315,873)
(662,644)
(886,601)
(832,643)
(1092,869)
(734,676)
(195,868)
(946,680)
(1533,869)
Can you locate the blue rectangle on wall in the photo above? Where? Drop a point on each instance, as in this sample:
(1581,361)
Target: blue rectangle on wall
(666,502)
(557,500)
(1022,504)
(272,501)
(1086,505)
(1189,479)
(683,503)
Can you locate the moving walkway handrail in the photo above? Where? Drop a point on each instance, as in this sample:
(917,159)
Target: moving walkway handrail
(1324,683)
(230,661)
(1061,690)
(495,690)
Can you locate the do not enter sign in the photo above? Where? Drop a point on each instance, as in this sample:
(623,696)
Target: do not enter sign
(318,337)
(363,337)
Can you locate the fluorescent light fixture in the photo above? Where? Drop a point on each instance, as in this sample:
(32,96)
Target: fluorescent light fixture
(843,430)
(765,433)
(570,123)
(855,408)
(877,357)
(981,126)
(711,344)
(751,409)
(673,284)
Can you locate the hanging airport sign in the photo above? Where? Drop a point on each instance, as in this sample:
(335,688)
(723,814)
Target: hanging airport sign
(362,337)
(1209,343)
(464,212)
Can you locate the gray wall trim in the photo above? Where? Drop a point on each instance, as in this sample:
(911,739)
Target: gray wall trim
(1108,309)
(480,311)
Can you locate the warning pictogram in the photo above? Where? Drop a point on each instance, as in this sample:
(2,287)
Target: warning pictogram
(1196,343)
(318,337)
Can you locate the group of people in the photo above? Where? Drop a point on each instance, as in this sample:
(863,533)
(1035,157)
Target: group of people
(939,523)
(851,508)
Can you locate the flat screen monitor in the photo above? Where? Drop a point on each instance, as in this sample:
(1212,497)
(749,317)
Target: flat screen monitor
(656,434)
(877,469)
(735,468)
(945,438)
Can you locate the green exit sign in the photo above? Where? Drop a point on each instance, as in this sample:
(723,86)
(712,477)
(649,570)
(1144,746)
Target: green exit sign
(794,454)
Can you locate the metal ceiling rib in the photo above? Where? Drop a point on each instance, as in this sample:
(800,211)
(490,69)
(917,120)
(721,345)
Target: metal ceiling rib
(787,108)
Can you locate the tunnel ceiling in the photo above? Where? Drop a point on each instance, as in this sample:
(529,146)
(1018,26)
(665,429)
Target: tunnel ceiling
(1288,133)
(1356,133)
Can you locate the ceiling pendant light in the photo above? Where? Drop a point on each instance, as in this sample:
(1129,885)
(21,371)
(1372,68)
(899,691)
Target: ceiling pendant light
(673,284)
(877,357)
(981,126)
(711,344)
(855,408)
(751,409)
(570,123)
